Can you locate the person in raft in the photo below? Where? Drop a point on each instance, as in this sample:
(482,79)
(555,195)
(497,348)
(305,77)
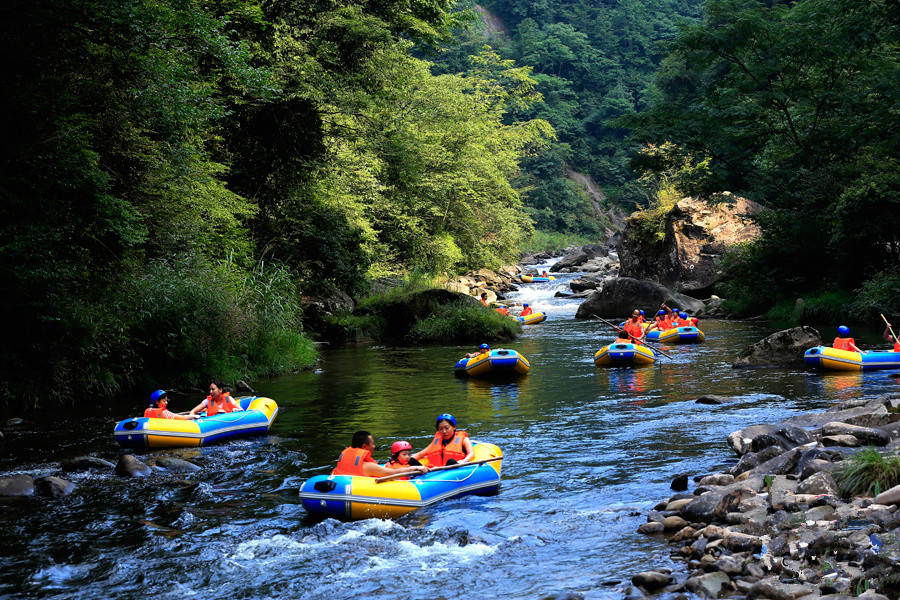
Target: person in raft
(401,457)
(544,273)
(843,341)
(357,459)
(526,310)
(484,299)
(633,326)
(218,401)
(890,337)
(481,350)
(159,400)
(449,446)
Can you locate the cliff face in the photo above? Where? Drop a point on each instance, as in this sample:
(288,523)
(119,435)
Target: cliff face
(687,254)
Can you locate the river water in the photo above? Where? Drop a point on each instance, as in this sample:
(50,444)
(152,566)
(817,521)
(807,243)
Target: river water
(588,452)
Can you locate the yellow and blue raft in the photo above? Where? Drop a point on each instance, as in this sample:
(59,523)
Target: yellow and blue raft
(142,433)
(623,354)
(826,357)
(532,319)
(360,497)
(677,335)
(499,362)
(536,278)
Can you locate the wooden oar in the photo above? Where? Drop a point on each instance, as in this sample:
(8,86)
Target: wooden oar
(889,328)
(644,343)
(443,468)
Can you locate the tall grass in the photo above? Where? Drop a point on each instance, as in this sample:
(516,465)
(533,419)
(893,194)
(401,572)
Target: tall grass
(868,473)
(549,241)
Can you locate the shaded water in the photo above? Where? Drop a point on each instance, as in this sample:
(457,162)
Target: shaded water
(588,452)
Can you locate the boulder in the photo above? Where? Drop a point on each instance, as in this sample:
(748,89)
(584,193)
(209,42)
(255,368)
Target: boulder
(651,580)
(620,295)
(846,441)
(129,466)
(585,283)
(703,508)
(578,257)
(753,459)
(86,463)
(17,485)
(651,528)
(784,347)
(891,496)
(708,585)
(694,237)
(868,435)
(717,479)
(713,399)
(176,465)
(53,486)
(712,307)
(780,465)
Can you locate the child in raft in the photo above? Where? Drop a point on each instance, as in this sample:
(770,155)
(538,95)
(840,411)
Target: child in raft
(401,457)
(482,349)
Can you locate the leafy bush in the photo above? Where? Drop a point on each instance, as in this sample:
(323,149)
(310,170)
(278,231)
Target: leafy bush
(880,294)
(868,473)
(548,241)
(464,322)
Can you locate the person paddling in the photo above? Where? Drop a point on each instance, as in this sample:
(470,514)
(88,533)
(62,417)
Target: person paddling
(633,326)
(449,446)
(889,336)
(357,459)
(843,341)
(159,401)
(482,349)
(526,310)
(217,402)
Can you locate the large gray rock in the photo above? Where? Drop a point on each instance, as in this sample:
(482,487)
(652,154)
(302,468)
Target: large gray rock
(129,466)
(53,486)
(695,236)
(782,464)
(708,585)
(585,283)
(86,463)
(784,347)
(651,580)
(578,257)
(176,465)
(620,295)
(818,483)
(869,435)
(17,485)
(887,497)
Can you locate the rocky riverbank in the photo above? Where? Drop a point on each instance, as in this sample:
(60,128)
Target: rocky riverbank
(778,524)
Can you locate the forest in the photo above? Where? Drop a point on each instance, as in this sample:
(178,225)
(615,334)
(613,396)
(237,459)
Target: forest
(178,175)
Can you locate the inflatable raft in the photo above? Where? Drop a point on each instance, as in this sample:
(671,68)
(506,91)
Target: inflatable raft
(677,335)
(142,433)
(497,362)
(536,278)
(532,319)
(826,357)
(358,497)
(622,354)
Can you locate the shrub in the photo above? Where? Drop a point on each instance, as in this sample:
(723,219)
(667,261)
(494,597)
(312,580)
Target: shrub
(867,473)
(549,241)
(464,322)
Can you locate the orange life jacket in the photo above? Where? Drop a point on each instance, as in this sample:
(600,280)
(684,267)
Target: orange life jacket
(154,413)
(351,460)
(502,310)
(437,453)
(663,323)
(212,408)
(843,343)
(679,322)
(525,311)
(393,464)
(641,319)
(635,330)
(483,301)
(896,346)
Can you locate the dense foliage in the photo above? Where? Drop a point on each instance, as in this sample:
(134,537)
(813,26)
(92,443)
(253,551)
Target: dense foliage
(594,62)
(792,104)
(177,173)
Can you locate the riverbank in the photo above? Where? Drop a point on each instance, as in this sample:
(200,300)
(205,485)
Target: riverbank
(782,522)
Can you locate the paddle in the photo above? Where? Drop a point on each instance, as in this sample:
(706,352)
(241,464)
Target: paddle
(644,343)
(889,328)
(444,468)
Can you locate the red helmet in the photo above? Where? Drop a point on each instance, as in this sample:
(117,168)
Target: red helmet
(400,447)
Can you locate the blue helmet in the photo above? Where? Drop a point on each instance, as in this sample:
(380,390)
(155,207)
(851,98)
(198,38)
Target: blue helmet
(155,396)
(524,304)
(843,331)
(683,315)
(642,313)
(484,347)
(660,313)
(445,417)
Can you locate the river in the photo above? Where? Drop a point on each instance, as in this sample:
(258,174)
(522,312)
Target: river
(588,452)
